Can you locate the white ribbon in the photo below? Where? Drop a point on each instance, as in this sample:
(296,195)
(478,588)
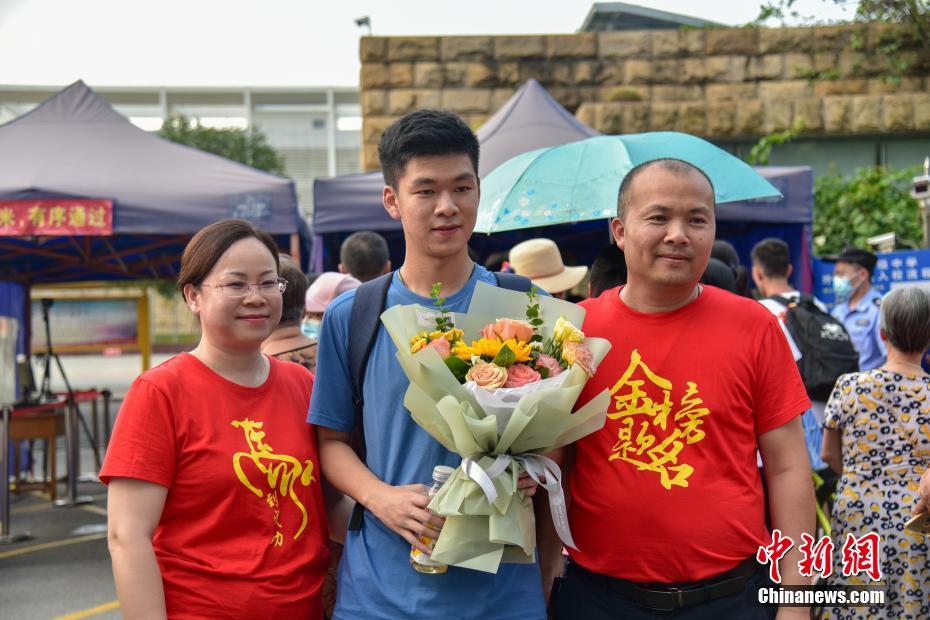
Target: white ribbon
(544,471)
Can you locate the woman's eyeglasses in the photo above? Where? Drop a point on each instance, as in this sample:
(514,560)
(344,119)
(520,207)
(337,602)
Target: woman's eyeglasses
(241,288)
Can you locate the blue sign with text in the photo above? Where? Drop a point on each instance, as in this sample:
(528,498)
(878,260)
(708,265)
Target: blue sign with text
(898,268)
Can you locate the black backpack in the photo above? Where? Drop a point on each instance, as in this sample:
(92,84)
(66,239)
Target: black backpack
(826,349)
(364,323)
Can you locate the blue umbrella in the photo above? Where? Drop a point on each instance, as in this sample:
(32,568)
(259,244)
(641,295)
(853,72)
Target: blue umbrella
(579,181)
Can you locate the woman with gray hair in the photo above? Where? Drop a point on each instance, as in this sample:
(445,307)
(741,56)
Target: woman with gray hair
(877,436)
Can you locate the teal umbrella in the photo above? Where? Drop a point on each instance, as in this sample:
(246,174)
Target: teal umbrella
(579,181)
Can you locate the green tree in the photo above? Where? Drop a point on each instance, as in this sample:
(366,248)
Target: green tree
(903,49)
(248,147)
(871,201)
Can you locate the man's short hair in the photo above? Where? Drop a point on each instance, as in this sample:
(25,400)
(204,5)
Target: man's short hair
(424,133)
(608,270)
(364,254)
(670,164)
(905,319)
(773,256)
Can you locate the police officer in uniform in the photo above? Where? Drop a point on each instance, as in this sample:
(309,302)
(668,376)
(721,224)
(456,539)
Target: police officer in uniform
(858,304)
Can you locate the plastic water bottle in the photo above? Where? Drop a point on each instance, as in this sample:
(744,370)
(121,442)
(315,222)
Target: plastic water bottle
(420,561)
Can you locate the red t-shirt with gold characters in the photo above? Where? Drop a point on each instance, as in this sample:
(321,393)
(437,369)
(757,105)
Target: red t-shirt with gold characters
(243,533)
(668,490)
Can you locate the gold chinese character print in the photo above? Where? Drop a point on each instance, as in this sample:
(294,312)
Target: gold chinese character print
(282,473)
(653,429)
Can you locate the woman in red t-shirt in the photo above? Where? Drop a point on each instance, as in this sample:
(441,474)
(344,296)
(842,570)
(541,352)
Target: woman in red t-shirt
(215,505)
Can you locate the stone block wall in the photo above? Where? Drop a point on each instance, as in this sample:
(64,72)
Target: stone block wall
(726,83)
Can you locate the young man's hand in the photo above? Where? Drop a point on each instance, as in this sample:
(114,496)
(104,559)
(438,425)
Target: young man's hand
(527,485)
(403,510)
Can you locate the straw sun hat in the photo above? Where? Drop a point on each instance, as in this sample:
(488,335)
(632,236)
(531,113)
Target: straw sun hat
(540,261)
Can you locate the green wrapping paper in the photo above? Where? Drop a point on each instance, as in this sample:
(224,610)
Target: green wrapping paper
(480,534)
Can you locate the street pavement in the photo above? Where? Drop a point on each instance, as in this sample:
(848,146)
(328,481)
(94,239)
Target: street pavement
(64,570)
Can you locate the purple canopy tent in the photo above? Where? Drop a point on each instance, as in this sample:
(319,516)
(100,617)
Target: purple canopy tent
(74,145)
(530,119)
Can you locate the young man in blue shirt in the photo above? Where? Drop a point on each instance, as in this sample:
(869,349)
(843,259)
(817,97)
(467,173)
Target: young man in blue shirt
(430,162)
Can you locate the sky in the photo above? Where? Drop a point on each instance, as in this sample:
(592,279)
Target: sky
(271,42)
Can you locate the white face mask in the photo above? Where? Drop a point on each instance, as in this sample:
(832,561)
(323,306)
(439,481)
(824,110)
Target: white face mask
(311,328)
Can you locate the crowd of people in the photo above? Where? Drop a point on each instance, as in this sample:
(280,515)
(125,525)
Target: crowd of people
(233,468)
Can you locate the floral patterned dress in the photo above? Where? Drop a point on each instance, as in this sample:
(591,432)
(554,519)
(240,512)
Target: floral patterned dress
(884,418)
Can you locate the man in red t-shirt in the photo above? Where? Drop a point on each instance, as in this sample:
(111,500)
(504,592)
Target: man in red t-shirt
(666,499)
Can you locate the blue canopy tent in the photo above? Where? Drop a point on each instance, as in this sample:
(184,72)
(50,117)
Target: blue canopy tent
(76,146)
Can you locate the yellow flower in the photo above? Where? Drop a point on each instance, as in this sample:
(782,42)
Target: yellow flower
(566,332)
(521,350)
(488,348)
(481,348)
(451,335)
(418,344)
(419,336)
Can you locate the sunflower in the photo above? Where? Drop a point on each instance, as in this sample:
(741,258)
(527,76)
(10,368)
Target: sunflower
(488,348)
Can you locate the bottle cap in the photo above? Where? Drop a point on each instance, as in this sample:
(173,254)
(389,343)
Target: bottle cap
(441,473)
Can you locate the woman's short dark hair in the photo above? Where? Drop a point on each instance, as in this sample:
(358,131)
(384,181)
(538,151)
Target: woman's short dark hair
(211,242)
(424,133)
(294,296)
(905,319)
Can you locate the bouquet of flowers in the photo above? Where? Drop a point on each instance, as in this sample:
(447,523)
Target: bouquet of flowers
(497,386)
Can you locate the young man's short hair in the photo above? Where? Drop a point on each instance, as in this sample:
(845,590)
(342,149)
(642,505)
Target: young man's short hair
(608,270)
(424,133)
(773,256)
(364,255)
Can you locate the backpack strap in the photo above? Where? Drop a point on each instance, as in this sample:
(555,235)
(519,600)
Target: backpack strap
(784,301)
(364,323)
(513,282)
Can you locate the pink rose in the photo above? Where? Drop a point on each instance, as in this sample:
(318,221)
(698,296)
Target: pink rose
(546,361)
(486,375)
(577,353)
(442,346)
(519,375)
(505,329)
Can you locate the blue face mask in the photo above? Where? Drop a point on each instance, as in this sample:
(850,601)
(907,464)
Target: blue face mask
(311,328)
(842,288)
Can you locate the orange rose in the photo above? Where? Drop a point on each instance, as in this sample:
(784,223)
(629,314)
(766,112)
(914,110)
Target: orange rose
(505,329)
(486,375)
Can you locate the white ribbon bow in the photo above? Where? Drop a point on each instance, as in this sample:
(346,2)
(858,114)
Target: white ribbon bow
(544,471)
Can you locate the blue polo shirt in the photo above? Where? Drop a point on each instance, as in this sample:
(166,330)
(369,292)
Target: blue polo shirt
(862,325)
(375,578)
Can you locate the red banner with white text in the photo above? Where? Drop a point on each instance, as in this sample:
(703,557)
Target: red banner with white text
(28,218)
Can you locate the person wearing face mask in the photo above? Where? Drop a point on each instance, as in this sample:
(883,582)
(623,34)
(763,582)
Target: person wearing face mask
(327,287)
(858,305)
